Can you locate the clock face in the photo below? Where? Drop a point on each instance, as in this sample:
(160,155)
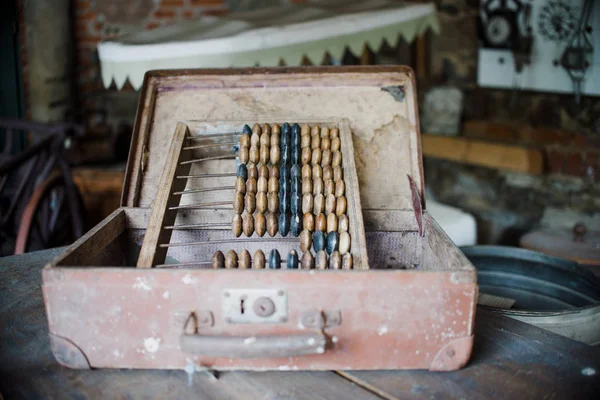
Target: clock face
(498,30)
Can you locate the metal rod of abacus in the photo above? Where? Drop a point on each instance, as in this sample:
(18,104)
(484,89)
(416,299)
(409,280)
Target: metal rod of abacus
(223,241)
(197,160)
(212,189)
(200,137)
(201,205)
(188,264)
(204,176)
(205,146)
(194,226)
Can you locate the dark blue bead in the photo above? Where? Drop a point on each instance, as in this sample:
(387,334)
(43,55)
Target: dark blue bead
(296,136)
(286,155)
(284,224)
(296,225)
(274,260)
(286,128)
(296,202)
(318,241)
(333,240)
(292,260)
(247,129)
(284,174)
(296,185)
(295,156)
(242,171)
(295,171)
(285,199)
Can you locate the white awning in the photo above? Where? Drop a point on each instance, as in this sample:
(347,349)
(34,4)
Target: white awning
(264,37)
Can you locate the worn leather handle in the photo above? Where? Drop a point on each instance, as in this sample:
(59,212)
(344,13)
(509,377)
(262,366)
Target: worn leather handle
(254,346)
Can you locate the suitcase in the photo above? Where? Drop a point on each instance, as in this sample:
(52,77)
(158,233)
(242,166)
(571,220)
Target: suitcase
(138,290)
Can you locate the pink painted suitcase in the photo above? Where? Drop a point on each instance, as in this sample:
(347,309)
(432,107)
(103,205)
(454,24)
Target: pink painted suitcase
(409,302)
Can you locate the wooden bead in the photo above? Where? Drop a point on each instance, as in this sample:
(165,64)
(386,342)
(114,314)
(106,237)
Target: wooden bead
(318,240)
(238,202)
(254,154)
(343,224)
(292,260)
(335,144)
(321,260)
(272,224)
(338,173)
(315,157)
(336,159)
(306,172)
(245,140)
(266,128)
(231,260)
(252,171)
(275,140)
(325,143)
(335,260)
(275,154)
(315,142)
(255,140)
(273,185)
(319,204)
(242,171)
(305,129)
(333,133)
(340,188)
(261,185)
(305,240)
(240,185)
(263,170)
(236,225)
(344,242)
(341,206)
(273,202)
(258,262)
(244,260)
(261,202)
(218,260)
(317,171)
(327,173)
(320,222)
(284,224)
(274,171)
(307,186)
(317,186)
(324,132)
(244,154)
(315,130)
(265,141)
(256,128)
(295,224)
(248,224)
(333,241)
(308,221)
(326,158)
(347,261)
(329,187)
(305,141)
(330,204)
(332,223)
(274,260)
(260,224)
(307,203)
(308,261)
(250,202)
(251,185)
(275,128)
(306,155)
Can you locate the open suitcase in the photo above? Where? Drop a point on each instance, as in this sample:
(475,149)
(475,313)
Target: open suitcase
(407,303)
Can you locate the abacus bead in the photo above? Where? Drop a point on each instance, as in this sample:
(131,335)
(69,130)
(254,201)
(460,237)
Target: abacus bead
(336,159)
(325,143)
(305,240)
(295,171)
(273,185)
(286,134)
(250,202)
(295,156)
(274,260)
(315,130)
(307,203)
(338,174)
(284,201)
(325,132)
(347,261)
(236,225)
(261,185)
(244,260)
(261,202)
(315,157)
(265,138)
(333,133)
(275,128)
(286,128)
(295,135)
(308,221)
(332,223)
(266,128)
(340,188)
(317,186)
(317,171)
(330,204)
(275,139)
(238,202)
(246,129)
(335,144)
(305,129)
(255,139)
(244,154)
(284,224)
(272,224)
(335,260)
(292,260)
(263,170)
(305,141)
(295,224)
(248,224)
(296,185)
(273,202)
(251,185)
(318,240)
(295,203)
(260,224)
(264,154)
(307,186)
(306,172)
(341,206)
(254,154)
(343,223)
(327,173)
(315,142)
(252,171)
(326,158)
(319,204)
(258,262)
(242,171)
(305,156)
(231,260)
(275,154)
(329,187)
(344,242)
(274,171)
(333,240)
(256,128)
(286,154)
(321,260)
(284,174)
(308,261)
(320,222)
(218,260)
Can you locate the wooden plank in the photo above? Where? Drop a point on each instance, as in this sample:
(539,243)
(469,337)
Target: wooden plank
(491,155)
(151,252)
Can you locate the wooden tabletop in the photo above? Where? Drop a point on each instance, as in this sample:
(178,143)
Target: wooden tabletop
(510,360)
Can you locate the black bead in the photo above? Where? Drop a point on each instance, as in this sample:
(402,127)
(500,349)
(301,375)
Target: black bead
(295,156)
(242,171)
(274,260)
(296,225)
(285,199)
(284,224)
(333,240)
(296,185)
(296,136)
(286,154)
(284,174)
(318,241)
(247,129)
(296,202)
(292,260)
(295,171)
(286,128)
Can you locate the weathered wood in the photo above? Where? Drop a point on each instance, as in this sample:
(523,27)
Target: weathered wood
(151,253)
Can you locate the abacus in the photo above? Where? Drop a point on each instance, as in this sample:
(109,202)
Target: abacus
(266,195)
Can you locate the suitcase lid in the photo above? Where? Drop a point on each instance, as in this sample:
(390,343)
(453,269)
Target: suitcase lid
(380,104)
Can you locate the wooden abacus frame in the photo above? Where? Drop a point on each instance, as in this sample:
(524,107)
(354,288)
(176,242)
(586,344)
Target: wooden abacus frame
(171,187)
